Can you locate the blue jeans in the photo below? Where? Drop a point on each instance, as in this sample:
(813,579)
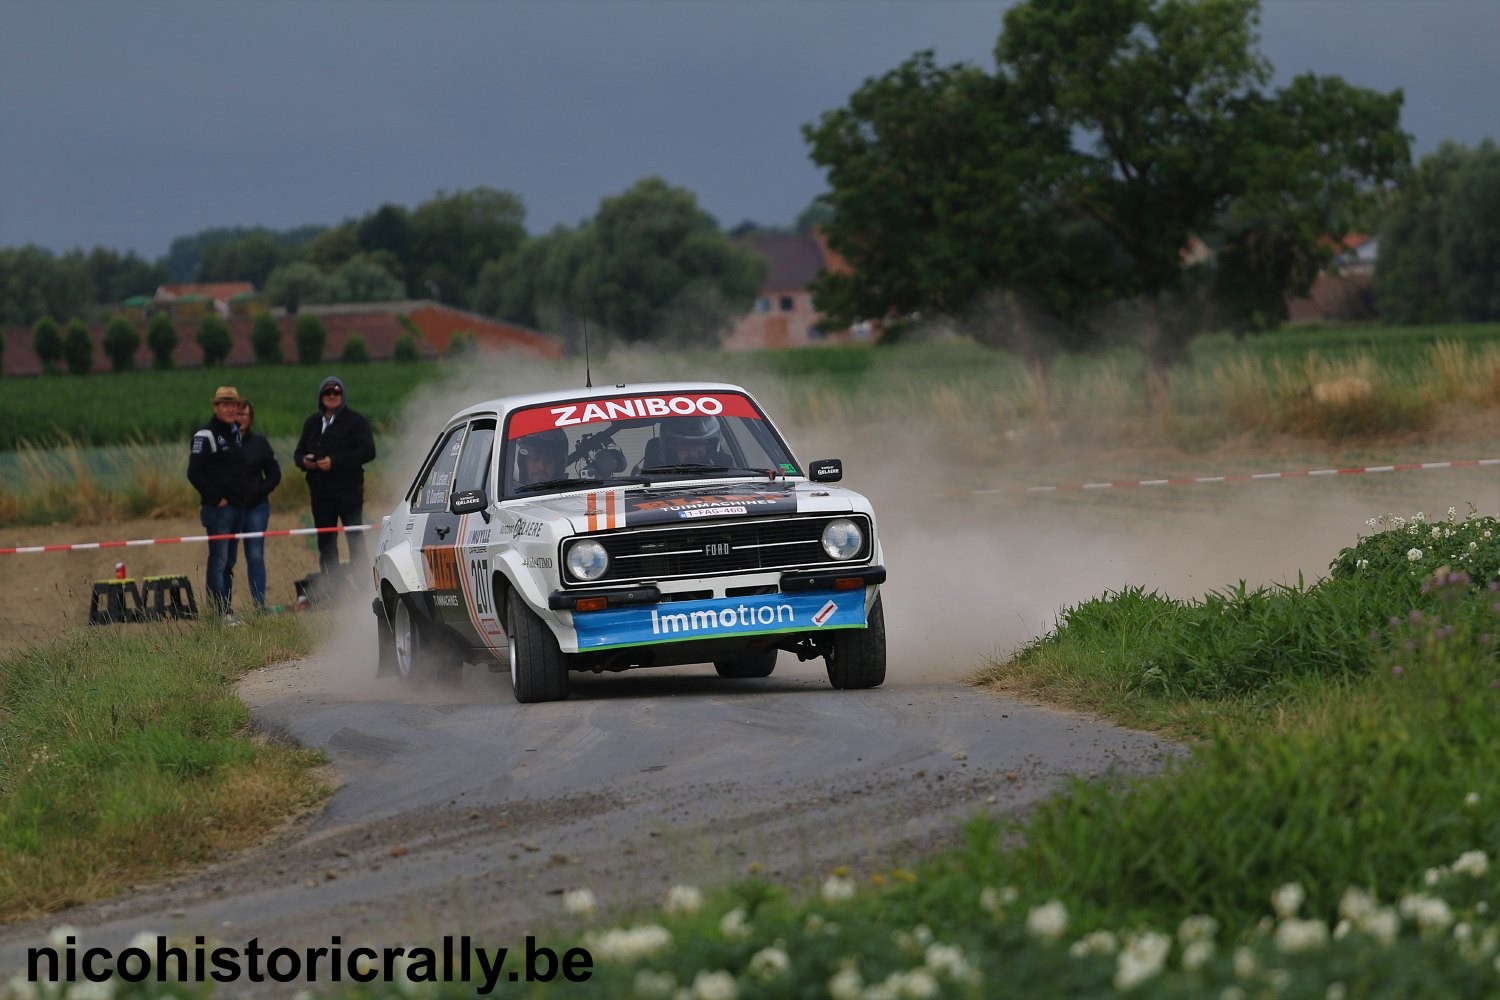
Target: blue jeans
(219,580)
(254,519)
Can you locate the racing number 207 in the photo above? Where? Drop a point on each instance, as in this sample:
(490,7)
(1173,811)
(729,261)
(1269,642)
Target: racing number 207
(479,573)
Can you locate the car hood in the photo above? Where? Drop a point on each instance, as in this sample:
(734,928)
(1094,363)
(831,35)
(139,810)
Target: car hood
(597,510)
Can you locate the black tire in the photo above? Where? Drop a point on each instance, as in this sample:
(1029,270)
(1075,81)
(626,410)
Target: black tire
(857,659)
(538,671)
(421,657)
(752,665)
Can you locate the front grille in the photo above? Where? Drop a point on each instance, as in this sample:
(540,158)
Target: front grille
(720,549)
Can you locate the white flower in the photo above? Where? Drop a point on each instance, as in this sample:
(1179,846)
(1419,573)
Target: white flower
(1287,900)
(1471,800)
(1473,863)
(682,899)
(733,925)
(580,902)
(715,985)
(1362,564)
(1199,927)
(1244,962)
(948,960)
(1356,904)
(1141,959)
(1048,921)
(652,984)
(837,888)
(1294,935)
(1436,532)
(627,945)
(912,984)
(1413,555)
(1197,954)
(913,941)
(768,963)
(1383,925)
(1430,912)
(58,936)
(21,988)
(1336,991)
(1100,942)
(1433,876)
(846,984)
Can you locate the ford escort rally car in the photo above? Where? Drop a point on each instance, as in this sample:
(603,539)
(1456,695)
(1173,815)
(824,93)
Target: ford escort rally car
(623,527)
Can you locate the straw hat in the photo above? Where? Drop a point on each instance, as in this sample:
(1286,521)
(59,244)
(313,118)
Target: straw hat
(227,394)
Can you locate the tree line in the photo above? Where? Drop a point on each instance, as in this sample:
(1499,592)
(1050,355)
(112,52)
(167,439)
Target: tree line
(72,349)
(1045,206)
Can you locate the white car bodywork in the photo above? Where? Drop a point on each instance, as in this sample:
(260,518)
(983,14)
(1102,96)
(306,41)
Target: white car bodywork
(724,561)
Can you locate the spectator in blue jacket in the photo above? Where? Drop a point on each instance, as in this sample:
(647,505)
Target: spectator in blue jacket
(215,470)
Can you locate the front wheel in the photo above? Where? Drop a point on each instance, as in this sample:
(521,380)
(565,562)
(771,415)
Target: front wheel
(538,671)
(420,656)
(752,665)
(857,657)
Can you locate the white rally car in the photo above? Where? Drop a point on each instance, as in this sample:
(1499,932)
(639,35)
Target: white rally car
(629,526)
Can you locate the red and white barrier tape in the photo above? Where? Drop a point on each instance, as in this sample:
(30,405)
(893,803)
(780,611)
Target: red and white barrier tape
(1240,477)
(85,546)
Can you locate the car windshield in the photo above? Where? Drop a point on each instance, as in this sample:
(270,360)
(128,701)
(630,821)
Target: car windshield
(642,439)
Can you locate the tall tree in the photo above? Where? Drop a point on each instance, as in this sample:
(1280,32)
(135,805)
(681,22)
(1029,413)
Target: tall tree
(652,253)
(1469,255)
(1113,133)
(454,235)
(250,259)
(386,234)
(34,283)
(1409,286)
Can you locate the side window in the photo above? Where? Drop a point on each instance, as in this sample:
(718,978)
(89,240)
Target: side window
(437,483)
(474,462)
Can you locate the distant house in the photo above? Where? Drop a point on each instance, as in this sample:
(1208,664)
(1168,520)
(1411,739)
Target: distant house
(1343,290)
(193,301)
(783,315)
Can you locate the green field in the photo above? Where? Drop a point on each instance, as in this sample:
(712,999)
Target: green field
(149,406)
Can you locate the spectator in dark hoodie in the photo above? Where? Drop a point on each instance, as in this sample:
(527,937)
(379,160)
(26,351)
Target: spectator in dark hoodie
(262,474)
(336,443)
(214,469)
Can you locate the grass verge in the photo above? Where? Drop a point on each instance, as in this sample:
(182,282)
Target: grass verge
(1332,832)
(124,754)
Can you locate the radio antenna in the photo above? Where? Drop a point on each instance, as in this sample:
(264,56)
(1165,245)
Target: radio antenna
(588,378)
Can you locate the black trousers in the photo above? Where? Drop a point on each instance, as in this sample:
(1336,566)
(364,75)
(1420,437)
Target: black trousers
(328,509)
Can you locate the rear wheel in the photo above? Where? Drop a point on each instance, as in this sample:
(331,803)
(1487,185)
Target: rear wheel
(752,665)
(538,671)
(421,657)
(857,656)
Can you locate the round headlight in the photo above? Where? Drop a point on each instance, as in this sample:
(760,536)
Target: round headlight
(587,560)
(842,538)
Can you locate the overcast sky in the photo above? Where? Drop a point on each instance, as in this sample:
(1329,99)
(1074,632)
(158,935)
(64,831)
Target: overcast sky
(128,123)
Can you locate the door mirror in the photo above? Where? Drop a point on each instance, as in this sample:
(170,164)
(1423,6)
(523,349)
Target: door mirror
(470,502)
(826,470)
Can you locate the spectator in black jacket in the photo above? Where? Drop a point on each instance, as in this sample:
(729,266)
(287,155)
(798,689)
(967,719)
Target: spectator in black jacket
(336,443)
(215,470)
(262,474)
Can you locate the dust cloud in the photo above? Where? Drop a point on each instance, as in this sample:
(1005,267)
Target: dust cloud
(973,576)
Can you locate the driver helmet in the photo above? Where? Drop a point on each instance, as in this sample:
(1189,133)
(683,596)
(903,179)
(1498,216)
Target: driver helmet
(691,430)
(552,444)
